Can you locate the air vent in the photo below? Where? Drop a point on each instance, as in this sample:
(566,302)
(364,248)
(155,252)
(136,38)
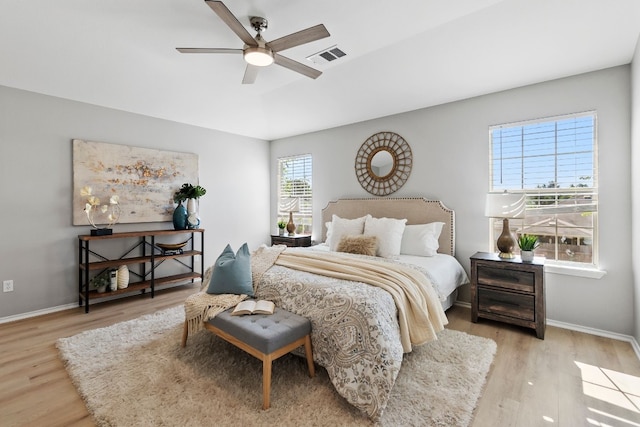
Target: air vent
(326,55)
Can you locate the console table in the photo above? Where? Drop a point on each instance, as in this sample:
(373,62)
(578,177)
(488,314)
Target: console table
(142,252)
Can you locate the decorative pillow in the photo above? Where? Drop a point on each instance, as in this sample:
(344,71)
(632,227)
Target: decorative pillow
(389,233)
(232,273)
(363,245)
(345,227)
(421,239)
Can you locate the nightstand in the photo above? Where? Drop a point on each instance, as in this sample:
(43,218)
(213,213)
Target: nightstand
(508,290)
(297,240)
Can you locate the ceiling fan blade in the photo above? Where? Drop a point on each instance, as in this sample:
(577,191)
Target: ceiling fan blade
(296,66)
(232,22)
(207,50)
(250,74)
(301,37)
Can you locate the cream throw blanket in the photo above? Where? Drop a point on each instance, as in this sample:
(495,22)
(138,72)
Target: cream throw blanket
(420,313)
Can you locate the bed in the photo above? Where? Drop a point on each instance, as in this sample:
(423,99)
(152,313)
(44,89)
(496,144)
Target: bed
(357,329)
(446,272)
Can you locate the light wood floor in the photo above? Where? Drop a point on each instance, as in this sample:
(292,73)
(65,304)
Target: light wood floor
(568,379)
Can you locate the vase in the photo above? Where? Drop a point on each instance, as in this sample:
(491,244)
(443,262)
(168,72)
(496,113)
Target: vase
(123,277)
(527,256)
(291,227)
(281,231)
(193,221)
(180,217)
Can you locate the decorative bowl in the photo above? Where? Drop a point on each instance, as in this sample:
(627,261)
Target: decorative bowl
(169,246)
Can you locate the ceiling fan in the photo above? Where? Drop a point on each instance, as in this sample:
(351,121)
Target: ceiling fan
(256,51)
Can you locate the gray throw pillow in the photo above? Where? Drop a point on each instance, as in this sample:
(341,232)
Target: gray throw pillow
(232,273)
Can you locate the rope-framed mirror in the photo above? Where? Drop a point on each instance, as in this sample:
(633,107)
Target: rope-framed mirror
(383,163)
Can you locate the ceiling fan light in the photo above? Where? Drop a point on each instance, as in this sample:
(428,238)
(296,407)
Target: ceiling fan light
(258,56)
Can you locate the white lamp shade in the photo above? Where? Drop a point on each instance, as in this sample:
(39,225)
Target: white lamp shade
(290,204)
(504,205)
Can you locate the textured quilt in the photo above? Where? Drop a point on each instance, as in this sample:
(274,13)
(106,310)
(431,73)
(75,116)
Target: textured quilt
(355,330)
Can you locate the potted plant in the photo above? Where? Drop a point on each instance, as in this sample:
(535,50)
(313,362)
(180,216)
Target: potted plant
(281,226)
(528,244)
(100,281)
(184,218)
(188,191)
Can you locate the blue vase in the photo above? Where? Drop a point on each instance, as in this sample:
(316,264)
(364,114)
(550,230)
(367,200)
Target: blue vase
(180,217)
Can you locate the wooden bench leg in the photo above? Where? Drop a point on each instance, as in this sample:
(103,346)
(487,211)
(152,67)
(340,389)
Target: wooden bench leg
(309,354)
(266,381)
(185,334)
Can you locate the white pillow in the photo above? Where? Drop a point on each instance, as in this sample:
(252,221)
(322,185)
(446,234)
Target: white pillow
(389,233)
(329,231)
(421,239)
(344,227)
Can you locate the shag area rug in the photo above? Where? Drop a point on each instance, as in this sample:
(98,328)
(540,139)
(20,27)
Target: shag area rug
(135,373)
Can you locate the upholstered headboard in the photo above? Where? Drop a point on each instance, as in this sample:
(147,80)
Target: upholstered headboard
(415,210)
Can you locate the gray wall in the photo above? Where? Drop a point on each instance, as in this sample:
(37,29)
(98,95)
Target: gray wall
(451,149)
(38,244)
(635,195)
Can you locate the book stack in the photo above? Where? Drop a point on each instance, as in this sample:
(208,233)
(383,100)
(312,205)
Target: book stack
(172,252)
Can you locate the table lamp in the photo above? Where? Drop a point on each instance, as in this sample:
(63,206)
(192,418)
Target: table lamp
(505,205)
(291,205)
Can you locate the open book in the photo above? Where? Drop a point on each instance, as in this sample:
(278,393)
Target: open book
(252,306)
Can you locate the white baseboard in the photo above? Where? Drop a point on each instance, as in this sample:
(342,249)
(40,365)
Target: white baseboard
(463,304)
(592,331)
(72,305)
(599,332)
(37,313)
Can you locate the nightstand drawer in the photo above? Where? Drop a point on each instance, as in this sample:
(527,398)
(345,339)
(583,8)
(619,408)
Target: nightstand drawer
(506,303)
(523,281)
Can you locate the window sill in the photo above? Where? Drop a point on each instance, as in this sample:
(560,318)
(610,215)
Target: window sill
(569,270)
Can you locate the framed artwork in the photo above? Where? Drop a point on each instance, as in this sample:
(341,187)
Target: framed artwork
(143,179)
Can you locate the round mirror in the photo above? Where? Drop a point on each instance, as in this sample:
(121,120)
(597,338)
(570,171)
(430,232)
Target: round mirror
(383,163)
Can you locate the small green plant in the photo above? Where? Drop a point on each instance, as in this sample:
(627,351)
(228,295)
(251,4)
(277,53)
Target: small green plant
(528,242)
(188,191)
(102,279)
(282,225)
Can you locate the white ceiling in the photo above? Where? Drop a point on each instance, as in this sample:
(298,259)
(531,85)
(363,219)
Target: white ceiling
(401,55)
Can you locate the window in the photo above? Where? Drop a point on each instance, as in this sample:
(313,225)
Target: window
(294,191)
(554,163)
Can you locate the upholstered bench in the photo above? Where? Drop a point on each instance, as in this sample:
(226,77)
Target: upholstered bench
(266,337)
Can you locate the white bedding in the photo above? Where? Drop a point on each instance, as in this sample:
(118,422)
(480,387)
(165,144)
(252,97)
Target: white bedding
(444,271)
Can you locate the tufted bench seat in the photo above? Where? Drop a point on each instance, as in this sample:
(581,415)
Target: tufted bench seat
(266,337)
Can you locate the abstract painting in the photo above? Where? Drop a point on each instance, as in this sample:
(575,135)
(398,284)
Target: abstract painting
(143,179)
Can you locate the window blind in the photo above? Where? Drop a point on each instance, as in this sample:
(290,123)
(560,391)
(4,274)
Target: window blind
(553,162)
(295,182)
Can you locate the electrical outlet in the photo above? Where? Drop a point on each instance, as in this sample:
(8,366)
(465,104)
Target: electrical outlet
(7,286)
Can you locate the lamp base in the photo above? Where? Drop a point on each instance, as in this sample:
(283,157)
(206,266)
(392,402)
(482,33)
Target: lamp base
(101,231)
(506,243)
(291,227)
(506,255)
